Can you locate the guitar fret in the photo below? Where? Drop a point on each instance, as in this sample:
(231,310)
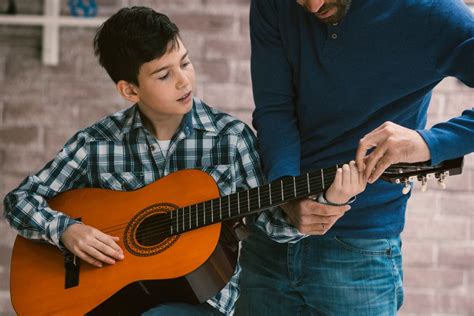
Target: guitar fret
(282,195)
(228,204)
(197,216)
(204,212)
(248,200)
(294,186)
(183,219)
(307,181)
(238,202)
(220,208)
(212,211)
(270,192)
(177,221)
(322,177)
(258,193)
(171,218)
(189,207)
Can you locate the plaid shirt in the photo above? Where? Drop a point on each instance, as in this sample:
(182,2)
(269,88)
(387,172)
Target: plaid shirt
(118,153)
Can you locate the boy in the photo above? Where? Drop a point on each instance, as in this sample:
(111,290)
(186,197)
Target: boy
(164,131)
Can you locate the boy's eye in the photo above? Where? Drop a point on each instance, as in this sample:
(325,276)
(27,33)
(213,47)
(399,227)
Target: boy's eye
(186,64)
(164,76)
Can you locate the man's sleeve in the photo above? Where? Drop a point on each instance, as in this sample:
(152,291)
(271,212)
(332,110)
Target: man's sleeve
(274,117)
(26,208)
(452,23)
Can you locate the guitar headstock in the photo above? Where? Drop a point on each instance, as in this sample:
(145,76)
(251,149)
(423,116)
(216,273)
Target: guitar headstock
(404,173)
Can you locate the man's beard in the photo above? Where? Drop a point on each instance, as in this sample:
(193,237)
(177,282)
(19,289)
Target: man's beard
(342,7)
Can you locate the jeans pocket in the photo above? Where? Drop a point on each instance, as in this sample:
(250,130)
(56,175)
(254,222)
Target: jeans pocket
(365,246)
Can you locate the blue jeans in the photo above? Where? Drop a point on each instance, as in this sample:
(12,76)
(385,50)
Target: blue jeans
(182,309)
(320,276)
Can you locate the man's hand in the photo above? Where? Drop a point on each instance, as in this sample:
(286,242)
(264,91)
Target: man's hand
(312,218)
(92,245)
(394,144)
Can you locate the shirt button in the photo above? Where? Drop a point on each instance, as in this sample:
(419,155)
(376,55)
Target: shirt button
(333,35)
(152,148)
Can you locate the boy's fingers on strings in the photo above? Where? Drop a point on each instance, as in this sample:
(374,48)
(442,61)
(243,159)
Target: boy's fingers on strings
(98,255)
(110,241)
(108,250)
(81,254)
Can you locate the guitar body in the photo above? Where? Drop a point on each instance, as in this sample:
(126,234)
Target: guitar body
(38,269)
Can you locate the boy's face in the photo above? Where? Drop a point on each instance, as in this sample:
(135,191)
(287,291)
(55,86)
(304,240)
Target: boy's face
(166,84)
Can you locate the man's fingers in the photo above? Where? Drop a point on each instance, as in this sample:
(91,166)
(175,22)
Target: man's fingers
(373,159)
(383,164)
(371,140)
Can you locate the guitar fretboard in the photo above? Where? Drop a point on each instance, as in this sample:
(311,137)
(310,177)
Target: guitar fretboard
(249,201)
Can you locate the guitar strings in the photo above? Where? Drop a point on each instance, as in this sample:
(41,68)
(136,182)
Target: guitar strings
(161,223)
(161,226)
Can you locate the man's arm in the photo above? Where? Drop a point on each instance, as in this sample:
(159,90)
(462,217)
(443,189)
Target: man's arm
(274,116)
(452,25)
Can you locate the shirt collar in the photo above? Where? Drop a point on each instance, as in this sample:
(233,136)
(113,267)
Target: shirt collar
(203,118)
(200,117)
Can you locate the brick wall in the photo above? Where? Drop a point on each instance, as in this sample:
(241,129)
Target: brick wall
(40,107)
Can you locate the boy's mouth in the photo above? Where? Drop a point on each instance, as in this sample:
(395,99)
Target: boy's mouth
(184,97)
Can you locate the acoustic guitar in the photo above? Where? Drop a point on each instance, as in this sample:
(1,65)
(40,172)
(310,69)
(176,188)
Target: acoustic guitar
(171,231)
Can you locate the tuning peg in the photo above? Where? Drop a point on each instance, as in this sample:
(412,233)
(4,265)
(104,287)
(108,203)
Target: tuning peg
(441,182)
(407,187)
(424,184)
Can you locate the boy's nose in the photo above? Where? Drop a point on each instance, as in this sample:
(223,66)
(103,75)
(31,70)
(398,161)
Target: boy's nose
(183,81)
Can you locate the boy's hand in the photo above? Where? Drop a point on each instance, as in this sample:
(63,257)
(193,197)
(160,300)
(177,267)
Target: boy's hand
(312,218)
(348,183)
(91,245)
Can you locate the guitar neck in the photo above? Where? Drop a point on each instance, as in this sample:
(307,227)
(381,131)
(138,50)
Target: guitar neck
(246,202)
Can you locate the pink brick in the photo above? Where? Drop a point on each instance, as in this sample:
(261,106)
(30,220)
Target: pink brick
(204,22)
(236,49)
(212,71)
(244,25)
(423,202)
(449,84)
(418,253)
(456,204)
(456,256)
(242,73)
(456,304)
(423,228)
(17,136)
(219,96)
(25,162)
(456,103)
(37,113)
(418,303)
(433,278)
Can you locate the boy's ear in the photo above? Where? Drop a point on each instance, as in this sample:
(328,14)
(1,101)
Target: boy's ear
(128,91)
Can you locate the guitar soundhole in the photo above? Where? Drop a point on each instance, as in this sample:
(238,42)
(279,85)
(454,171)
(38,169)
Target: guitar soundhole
(153,230)
(148,232)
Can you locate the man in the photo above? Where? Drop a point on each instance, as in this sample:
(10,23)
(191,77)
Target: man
(334,80)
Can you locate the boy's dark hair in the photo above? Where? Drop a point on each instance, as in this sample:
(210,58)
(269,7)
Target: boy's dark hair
(132,37)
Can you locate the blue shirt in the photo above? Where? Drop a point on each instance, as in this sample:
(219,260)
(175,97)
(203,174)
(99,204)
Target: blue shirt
(320,88)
